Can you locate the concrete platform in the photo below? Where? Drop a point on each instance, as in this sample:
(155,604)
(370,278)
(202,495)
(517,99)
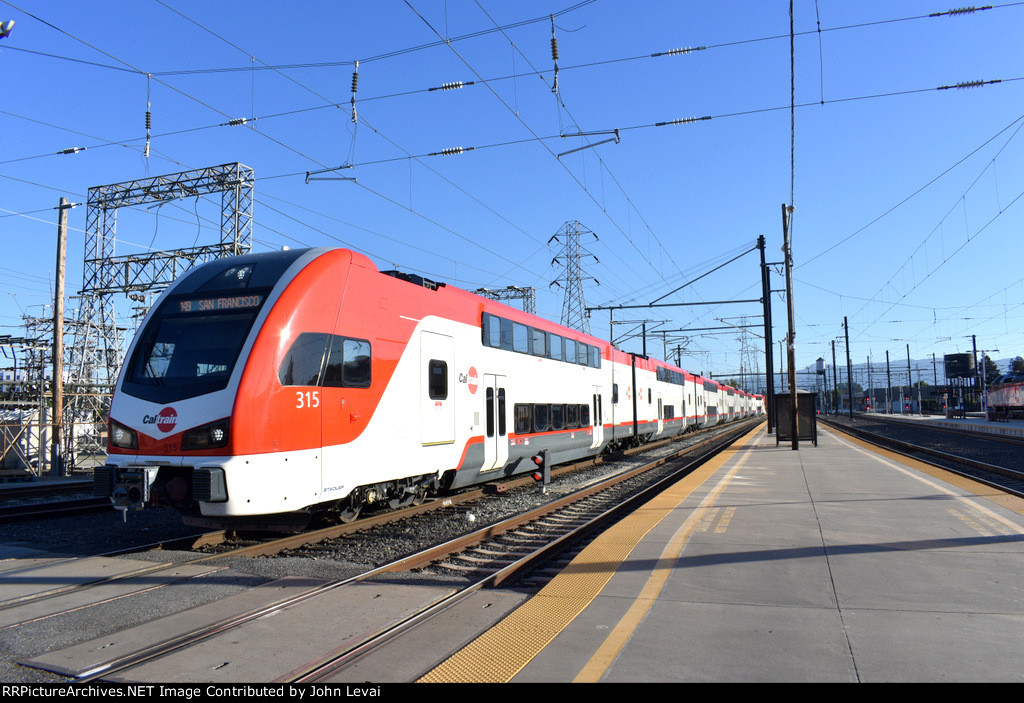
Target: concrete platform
(831,563)
(1006,428)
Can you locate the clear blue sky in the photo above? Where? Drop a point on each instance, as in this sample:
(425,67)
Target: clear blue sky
(907,216)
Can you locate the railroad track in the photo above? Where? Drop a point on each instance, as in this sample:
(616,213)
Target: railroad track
(247,544)
(944,429)
(503,553)
(1005,478)
(51,510)
(539,537)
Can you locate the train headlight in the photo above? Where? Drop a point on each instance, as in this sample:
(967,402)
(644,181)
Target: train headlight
(211,436)
(123,437)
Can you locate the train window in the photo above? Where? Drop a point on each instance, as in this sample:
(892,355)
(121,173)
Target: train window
(540,342)
(570,350)
(615,393)
(584,415)
(489,402)
(555,350)
(437,379)
(572,413)
(557,416)
(595,357)
(506,334)
(582,354)
(648,396)
(541,417)
(304,360)
(357,363)
(520,338)
(348,364)
(491,331)
(501,412)
(670,412)
(522,413)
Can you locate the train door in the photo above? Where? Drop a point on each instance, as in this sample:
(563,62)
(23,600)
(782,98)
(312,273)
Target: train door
(495,423)
(596,421)
(437,404)
(661,415)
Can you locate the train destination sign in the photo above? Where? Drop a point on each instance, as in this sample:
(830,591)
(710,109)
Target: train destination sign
(225,303)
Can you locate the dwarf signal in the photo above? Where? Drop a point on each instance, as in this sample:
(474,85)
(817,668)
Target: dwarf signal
(542,474)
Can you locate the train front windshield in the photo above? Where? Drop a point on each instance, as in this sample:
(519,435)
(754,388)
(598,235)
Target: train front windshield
(190,346)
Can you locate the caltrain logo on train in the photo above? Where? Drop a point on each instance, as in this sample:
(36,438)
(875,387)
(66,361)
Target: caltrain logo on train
(165,420)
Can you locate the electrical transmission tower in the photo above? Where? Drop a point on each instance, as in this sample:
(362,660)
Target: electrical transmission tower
(574,305)
(95,357)
(527,295)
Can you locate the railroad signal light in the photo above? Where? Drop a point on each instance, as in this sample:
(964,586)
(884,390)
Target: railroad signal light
(542,474)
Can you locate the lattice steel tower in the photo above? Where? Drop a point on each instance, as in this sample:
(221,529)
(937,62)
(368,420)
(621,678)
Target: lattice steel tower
(527,295)
(574,305)
(95,357)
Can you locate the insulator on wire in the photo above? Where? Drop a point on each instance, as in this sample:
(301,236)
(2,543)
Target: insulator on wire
(961,11)
(453,86)
(237,122)
(453,151)
(355,87)
(72,150)
(149,117)
(554,55)
(963,85)
(676,52)
(682,120)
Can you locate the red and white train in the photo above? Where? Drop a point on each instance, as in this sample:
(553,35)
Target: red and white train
(1006,396)
(272,386)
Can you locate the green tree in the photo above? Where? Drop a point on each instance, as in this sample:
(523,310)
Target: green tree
(1017,365)
(991,369)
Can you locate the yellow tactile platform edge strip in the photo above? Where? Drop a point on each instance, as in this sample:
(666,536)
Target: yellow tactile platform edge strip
(501,652)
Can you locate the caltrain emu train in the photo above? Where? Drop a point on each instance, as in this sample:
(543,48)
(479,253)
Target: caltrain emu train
(264,388)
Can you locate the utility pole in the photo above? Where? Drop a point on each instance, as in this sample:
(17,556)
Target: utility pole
(910,382)
(888,385)
(835,381)
(849,366)
(787,212)
(974,345)
(766,302)
(56,436)
(871,388)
